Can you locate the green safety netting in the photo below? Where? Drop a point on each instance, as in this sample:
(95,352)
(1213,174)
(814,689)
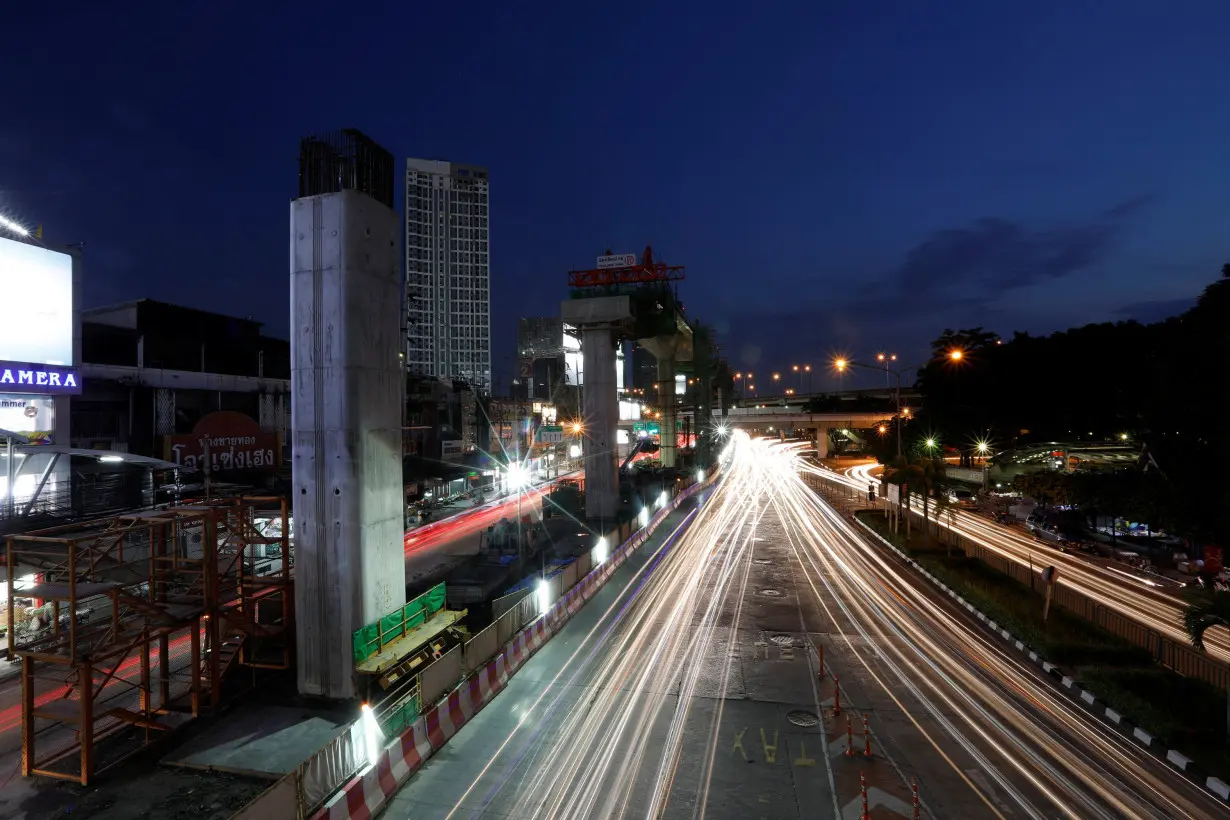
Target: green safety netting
(399,719)
(369,640)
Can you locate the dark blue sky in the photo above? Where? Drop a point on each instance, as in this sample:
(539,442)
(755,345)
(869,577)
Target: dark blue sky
(836,176)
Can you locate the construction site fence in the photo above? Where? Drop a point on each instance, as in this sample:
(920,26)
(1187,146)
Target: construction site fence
(302,791)
(372,638)
(1177,656)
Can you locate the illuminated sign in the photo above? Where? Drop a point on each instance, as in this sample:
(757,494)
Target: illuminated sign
(31,417)
(40,330)
(19,377)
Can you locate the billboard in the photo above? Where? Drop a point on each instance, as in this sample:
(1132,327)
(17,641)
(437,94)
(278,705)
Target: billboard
(232,440)
(40,331)
(32,417)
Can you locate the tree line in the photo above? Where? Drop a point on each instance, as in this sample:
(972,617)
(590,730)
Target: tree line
(1159,386)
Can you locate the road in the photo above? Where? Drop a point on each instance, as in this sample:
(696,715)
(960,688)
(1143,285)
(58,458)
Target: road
(689,687)
(1140,599)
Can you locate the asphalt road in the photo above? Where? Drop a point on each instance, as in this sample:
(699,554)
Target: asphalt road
(689,687)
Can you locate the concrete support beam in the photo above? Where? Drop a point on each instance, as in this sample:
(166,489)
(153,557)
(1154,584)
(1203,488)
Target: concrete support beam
(602,320)
(666,400)
(823,441)
(601,420)
(347,384)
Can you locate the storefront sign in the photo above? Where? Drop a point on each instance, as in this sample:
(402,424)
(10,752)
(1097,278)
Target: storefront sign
(18,377)
(31,417)
(233,441)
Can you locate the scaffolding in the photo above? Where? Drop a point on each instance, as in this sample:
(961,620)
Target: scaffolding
(136,620)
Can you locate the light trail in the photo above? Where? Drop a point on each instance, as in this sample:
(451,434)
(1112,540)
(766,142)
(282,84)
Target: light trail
(1149,605)
(606,736)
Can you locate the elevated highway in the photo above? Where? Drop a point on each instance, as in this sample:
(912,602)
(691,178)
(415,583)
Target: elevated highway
(820,425)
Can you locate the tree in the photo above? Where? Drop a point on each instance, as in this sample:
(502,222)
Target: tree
(1206,609)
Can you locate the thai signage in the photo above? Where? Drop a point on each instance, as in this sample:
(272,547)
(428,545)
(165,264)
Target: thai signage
(617,260)
(225,440)
(41,379)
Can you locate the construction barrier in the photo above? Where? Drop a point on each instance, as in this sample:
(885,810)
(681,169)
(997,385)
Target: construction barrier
(366,794)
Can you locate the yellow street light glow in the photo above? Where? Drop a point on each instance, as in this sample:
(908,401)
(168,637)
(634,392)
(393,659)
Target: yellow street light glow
(956,355)
(840,364)
(883,429)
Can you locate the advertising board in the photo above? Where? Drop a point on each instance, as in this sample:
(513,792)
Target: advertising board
(618,260)
(32,417)
(40,331)
(232,440)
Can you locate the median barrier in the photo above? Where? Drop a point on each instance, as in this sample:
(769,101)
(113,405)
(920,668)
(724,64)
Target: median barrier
(1089,699)
(366,794)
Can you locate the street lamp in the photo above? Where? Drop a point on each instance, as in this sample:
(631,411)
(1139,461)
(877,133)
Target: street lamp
(841,365)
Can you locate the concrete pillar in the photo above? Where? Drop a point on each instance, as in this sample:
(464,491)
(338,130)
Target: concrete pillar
(601,320)
(347,385)
(666,400)
(822,442)
(601,414)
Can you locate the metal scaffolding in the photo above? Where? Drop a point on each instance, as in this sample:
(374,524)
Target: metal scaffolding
(135,621)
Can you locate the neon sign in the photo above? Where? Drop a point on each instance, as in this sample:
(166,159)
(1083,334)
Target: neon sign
(18,377)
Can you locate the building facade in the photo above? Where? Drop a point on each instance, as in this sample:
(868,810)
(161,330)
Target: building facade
(156,377)
(448,273)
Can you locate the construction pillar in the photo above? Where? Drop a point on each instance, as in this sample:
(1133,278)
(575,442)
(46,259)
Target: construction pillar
(601,320)
(601,423)
(666,400)
(347,383)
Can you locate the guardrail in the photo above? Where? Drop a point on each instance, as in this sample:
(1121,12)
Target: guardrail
(481,666)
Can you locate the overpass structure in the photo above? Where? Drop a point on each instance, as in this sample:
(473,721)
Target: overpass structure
(624,298)
(821,425)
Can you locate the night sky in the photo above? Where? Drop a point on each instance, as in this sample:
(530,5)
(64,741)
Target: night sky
(836,176)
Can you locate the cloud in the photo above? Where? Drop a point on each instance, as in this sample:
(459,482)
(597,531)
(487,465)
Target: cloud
(975,264)
(1155,311)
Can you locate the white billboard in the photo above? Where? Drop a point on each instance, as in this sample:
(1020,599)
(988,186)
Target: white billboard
(37,284)
(618,260)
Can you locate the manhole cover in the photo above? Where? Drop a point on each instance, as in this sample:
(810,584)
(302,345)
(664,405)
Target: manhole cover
(802,717)
(764,560)
(782,640)
(772,593)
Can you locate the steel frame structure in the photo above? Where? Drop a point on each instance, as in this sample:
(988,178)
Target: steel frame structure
(650,273)
(127,591)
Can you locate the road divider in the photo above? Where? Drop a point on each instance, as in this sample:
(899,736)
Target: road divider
(1089,699)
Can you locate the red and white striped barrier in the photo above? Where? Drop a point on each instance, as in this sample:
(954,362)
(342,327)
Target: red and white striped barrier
(368,793)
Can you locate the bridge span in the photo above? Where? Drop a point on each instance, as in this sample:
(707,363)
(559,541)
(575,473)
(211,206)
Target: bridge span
(821,425)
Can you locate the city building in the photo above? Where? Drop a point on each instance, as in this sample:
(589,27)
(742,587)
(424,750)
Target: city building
(448,273)
(187,386)
(644,367)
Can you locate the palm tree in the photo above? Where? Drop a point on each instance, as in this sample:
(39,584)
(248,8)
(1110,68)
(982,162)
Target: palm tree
(1206,609)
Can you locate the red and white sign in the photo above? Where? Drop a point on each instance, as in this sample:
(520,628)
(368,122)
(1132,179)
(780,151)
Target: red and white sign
(233,441)
(618,260)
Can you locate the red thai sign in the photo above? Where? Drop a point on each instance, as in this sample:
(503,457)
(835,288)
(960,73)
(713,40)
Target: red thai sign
(225,440)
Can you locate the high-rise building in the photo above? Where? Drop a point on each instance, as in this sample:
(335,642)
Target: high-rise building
(448,273)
